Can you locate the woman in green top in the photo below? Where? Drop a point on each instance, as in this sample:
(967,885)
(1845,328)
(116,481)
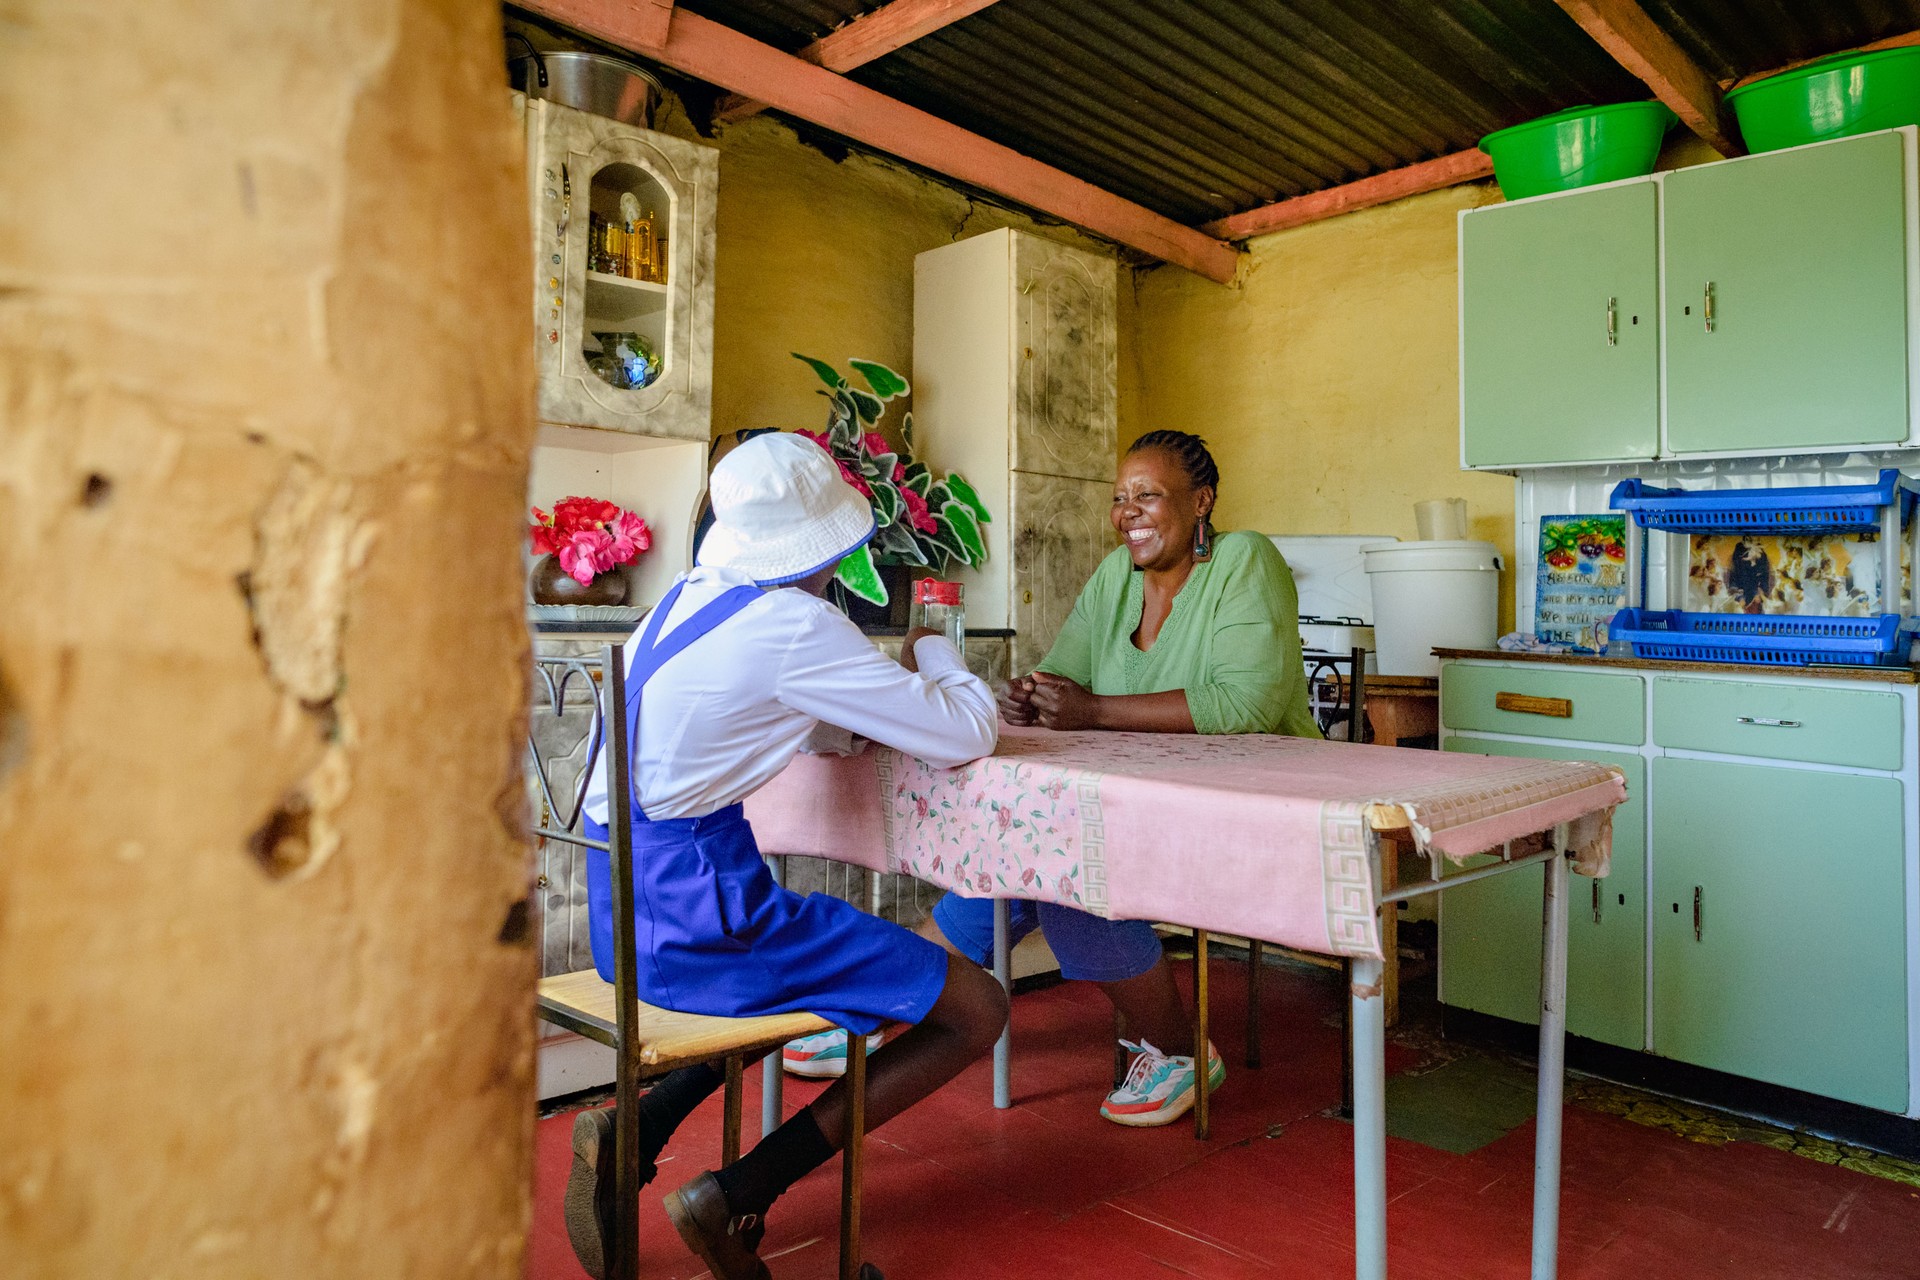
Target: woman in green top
(1180,630)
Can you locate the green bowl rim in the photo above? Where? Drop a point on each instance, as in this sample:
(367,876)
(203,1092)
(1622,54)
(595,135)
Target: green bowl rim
(1571,113)
(1820,66)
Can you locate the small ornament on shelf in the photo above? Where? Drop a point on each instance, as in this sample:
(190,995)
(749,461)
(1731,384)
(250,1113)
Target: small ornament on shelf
(583,545)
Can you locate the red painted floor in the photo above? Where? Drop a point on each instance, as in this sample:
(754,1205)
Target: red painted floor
(958,1190)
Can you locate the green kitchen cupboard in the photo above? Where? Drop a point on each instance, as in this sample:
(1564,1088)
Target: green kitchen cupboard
(1778,926)
(1490,930)
(1559,355)
(1785,314)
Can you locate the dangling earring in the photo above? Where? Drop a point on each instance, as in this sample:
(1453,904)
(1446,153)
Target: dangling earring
(1203,540)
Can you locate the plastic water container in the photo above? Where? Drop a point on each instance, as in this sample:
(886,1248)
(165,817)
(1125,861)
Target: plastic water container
(1429,595)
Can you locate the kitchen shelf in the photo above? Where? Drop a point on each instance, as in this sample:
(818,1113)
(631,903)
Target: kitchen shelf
(627,282)
(1834,508)
(1779,640)
(613,301)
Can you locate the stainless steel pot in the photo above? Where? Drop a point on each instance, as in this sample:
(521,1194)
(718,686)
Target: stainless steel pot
(590,82)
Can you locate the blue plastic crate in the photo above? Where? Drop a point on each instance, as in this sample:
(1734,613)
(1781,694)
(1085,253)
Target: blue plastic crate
(1762,639)
(1827,508)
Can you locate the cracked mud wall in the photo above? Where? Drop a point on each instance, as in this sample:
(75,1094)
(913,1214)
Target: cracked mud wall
(265,408)
(815,254)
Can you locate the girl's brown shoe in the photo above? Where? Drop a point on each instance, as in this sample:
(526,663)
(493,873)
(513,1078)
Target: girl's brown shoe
(724,1241)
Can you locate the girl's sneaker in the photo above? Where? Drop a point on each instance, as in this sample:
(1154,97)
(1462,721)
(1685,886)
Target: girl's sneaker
(824,1053)
(1158,1089)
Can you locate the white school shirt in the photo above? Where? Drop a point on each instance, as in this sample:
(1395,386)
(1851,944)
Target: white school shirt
(727,713)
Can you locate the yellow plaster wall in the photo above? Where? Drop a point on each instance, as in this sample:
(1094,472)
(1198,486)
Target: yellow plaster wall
(816,255)
(1326,380)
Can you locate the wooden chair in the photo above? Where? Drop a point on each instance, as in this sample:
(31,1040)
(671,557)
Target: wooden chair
(649,1042)
(1350,689)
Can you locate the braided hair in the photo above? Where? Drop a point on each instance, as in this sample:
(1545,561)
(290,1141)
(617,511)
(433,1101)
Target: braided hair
(1190,451)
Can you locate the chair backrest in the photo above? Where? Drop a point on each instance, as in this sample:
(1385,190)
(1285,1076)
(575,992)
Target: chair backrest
(1337,685)
(608,733)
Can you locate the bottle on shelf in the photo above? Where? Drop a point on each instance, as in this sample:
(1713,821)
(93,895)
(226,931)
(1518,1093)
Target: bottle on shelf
(939,605)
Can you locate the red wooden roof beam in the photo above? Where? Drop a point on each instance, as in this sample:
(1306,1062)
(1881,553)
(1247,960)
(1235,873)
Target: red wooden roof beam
(1623,29)
(722,56)
(1394,184)
(869,36)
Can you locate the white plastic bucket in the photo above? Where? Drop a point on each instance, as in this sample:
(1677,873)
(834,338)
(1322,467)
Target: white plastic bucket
(1429,595)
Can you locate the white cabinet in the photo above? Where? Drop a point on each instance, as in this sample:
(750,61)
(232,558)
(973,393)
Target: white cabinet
(589,295)
(1015,374)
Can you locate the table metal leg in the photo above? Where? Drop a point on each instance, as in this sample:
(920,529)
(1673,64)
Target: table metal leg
(772,1079)
(1003,973)
(1369,1120)
(1346,1039)
(1202,1016)
(1553,1045)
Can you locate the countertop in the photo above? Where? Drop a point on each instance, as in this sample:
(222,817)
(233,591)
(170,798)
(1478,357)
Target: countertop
(1882,675)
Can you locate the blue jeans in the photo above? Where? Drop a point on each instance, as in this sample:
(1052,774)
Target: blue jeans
(1089,948)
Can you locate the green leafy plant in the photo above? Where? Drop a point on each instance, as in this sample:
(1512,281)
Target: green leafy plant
(920,519)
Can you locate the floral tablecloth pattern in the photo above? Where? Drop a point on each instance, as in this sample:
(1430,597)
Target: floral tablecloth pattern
(1256,835)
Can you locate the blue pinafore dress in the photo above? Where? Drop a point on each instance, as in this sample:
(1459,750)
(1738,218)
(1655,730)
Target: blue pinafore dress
(713,933)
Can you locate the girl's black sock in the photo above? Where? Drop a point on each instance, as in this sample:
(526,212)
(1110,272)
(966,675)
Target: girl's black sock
(754,1181)
(672,1100)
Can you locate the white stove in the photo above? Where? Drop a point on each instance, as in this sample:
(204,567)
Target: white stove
(1336,603)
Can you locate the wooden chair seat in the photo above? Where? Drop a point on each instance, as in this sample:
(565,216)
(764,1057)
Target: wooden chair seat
(665,1040)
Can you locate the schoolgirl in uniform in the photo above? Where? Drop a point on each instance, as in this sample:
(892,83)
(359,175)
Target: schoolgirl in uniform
(731,673)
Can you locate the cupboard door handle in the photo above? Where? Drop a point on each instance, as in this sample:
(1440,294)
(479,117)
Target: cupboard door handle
(1707,305)
(1527,704)
(1767,722)
(1596,902)
(1696,913)
(1613,322)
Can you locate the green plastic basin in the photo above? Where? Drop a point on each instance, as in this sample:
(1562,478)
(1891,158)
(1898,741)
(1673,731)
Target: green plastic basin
(1834,97)
(1577,148)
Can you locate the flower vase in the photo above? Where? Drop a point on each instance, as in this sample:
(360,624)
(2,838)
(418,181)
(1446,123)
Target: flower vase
(550,584)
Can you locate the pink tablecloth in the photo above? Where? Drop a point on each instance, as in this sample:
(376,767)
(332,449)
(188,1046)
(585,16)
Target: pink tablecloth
(1265,837)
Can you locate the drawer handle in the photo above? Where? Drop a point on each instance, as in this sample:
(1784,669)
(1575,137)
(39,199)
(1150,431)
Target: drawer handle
(1596,902)
(1766,722)
(1613,322)
(1697,894)
(1528,705)
(1707,305)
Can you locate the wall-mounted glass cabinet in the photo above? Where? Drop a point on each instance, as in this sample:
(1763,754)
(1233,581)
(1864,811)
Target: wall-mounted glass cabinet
(623,242)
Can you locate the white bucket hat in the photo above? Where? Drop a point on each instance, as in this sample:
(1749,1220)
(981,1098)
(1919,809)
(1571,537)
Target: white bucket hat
(782,512)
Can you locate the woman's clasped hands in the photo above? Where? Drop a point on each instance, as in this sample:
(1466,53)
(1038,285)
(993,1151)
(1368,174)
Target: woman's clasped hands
(1050,701)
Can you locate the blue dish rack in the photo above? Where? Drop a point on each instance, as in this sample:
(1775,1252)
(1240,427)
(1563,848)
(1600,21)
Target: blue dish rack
(1885,506)
(1775,640)
(1826,508)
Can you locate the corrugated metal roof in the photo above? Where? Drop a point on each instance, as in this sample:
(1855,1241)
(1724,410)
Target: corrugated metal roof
(1201,108)
(1734,38)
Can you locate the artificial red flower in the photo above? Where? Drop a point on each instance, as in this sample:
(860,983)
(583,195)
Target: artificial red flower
(917,512)
(875,444)
(630,537)
(587,553)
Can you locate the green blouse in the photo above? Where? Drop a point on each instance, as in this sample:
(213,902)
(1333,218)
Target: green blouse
(1232,641)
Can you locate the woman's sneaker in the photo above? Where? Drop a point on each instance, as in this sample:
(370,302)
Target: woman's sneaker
(1158,1089)
(824,1053)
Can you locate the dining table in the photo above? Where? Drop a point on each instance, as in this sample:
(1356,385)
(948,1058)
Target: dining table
(1278,839)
